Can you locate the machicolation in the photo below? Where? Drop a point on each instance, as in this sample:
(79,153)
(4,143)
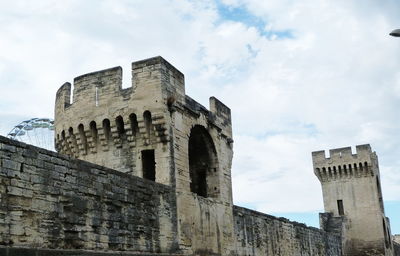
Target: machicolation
(146,170)
(342,164)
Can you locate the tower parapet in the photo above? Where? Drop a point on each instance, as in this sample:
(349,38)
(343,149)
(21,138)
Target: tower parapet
(104,123)
(155,131)
(343,164)
(353,199)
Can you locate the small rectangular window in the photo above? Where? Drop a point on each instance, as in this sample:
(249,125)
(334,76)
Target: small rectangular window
(340,207)
(148,165)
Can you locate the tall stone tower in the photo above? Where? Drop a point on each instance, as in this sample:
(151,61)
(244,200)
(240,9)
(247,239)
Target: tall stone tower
(353,200)
(154,131)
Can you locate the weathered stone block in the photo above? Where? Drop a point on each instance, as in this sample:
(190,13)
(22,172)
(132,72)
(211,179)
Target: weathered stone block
(10,164)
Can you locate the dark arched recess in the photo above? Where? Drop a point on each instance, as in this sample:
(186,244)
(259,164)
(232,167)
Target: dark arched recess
(203,163)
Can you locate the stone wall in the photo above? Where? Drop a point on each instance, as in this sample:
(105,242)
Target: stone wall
(396,249)
(51,204)
(106,124)
(261,234)
(205,221)
(351,188)
(48,200)
(19,251)
(55,205)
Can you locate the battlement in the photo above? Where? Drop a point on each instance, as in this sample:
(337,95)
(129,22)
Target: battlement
(342,163)
(116,127)
(342,154)
(158,62)
(97,88)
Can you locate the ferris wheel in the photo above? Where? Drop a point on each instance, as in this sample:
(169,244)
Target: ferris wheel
(36,131)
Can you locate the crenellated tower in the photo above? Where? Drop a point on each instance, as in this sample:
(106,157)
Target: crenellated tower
(353,200)
(154,131)
(117,127)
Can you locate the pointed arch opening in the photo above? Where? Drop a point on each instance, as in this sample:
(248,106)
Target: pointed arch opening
(203,163)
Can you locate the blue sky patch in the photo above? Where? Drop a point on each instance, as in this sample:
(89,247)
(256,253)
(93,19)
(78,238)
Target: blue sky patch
(292,127)
(243,15)
(308,218)
(392,209)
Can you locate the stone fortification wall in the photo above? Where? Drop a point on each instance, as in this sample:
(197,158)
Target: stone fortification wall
(49,200)
(396,245)
(396,249)
(105,124)
(153,130)
(261,234)
(19,251)
(203,156)
(351,188)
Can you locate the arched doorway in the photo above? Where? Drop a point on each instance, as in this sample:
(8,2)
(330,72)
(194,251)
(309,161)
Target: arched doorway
(203,163)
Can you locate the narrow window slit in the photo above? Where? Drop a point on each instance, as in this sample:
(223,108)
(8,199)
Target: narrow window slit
(340,207)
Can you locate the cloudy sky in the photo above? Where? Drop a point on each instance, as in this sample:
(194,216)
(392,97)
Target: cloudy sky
(299,76)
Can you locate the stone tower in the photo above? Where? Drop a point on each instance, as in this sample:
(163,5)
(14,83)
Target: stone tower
(353,200)
(154,131)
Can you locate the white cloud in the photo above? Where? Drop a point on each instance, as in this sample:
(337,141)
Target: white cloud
(333,82)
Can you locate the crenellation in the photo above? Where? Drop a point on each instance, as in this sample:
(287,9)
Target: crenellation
(169,191)
(127,128)
(349,182)
(338,153)
(223,115)
(96,87)
(171,77)
(63,96)
(360,164)
(363,153)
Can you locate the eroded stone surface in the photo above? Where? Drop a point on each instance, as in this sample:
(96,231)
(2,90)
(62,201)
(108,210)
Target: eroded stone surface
(169,189)
(353,198)
(53,201)
(153,130)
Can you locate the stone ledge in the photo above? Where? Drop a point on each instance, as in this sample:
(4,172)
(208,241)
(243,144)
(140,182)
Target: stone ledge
(237,210)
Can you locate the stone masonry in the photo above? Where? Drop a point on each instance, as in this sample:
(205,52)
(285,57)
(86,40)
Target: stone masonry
(52,201)
(146,170)
(353,200)
(154,131)
(53,204)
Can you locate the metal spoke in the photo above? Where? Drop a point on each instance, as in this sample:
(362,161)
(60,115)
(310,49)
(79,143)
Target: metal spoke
(36,131)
